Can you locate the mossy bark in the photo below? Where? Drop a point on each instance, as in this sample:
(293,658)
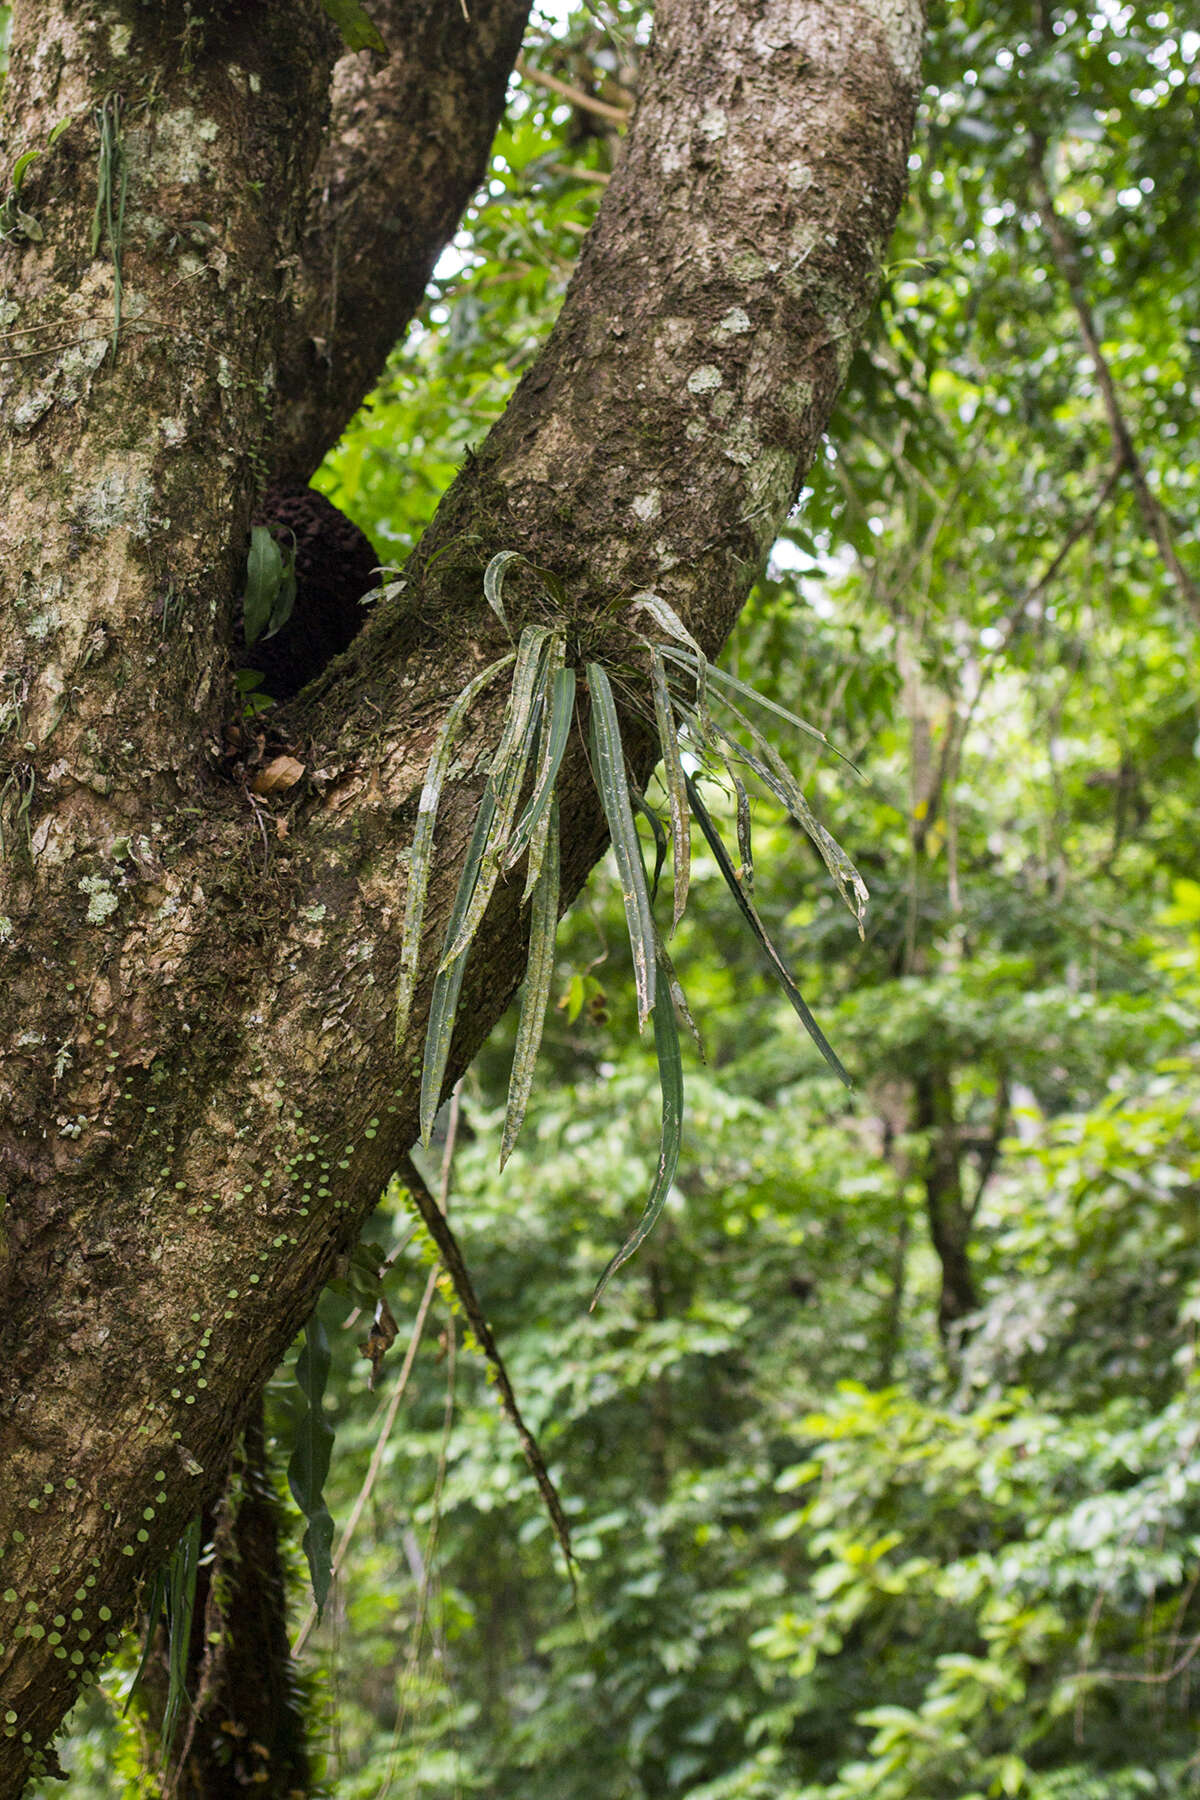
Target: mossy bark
(199,1094)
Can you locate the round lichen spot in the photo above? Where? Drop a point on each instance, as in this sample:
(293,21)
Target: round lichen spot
(83,1634)
(31,1606)
(54,1637)
(60,1653)
(37,1631)
(76,1612)
(175,1393)
(77,1658)
(18,1537)
(10,1717)
(704,380)
(104,1614)
(148,1513)
(202,1383)
(111,1639)
(60,1619)
(47,1487)
(126,1549)
(10,1596)
(254,1279)
(70,1483)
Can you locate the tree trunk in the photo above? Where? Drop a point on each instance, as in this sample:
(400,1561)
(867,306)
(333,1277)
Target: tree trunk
(244,1730)
(199,1095)
(945,1205)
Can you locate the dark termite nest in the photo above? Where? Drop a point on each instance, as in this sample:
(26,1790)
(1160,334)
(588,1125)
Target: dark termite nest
(335,567)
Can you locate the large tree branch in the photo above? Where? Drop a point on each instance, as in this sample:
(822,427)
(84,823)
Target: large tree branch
(200,1098)
(407,148)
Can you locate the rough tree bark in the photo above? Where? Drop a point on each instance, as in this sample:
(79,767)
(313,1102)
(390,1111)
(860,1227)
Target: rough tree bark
(199,1096)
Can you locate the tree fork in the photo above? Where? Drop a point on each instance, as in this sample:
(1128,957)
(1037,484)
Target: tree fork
(199,1098)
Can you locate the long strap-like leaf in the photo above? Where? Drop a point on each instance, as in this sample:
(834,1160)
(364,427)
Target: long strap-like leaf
(686,659)
(556,727)
(509,764)
(670,1075)
(750,914)
(775,774)
(543,930)
(422,844)
(668,738)
(443,1005)
(609,766)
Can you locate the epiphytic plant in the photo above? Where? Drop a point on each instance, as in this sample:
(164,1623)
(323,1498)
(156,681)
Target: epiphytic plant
(678,688)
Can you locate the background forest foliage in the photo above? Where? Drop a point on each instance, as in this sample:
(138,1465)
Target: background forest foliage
(882,1457)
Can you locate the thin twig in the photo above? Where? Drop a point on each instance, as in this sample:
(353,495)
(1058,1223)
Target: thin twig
(452,1261)
(381,1442)
(578,173)
(410,1356)
(1065,256)
(617,115)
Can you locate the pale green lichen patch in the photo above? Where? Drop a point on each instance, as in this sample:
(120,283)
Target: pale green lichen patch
(6,929)
(77,366)
(742,446)
(748,265)
(122,497)
(714,125)
(647,506)
(704,380)
(179,142)
(796,397)
(102,902)
(735,322)
(799,176)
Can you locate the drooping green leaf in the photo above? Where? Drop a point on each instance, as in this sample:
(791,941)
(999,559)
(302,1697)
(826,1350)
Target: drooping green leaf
(493,583)
(311,1452)
(775,775)
(667,967)
(745,846)
(19,167)
(668,738)
(517,741)
(556,727)
(750,914)
(180,1604)
(670,1076)
(422,844)
(264,572)
(608,754)
(686,659)
(543,931)
(355,26)
(668,620)
(285,597)
(642,805)
(443,1005)
(172,1602)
